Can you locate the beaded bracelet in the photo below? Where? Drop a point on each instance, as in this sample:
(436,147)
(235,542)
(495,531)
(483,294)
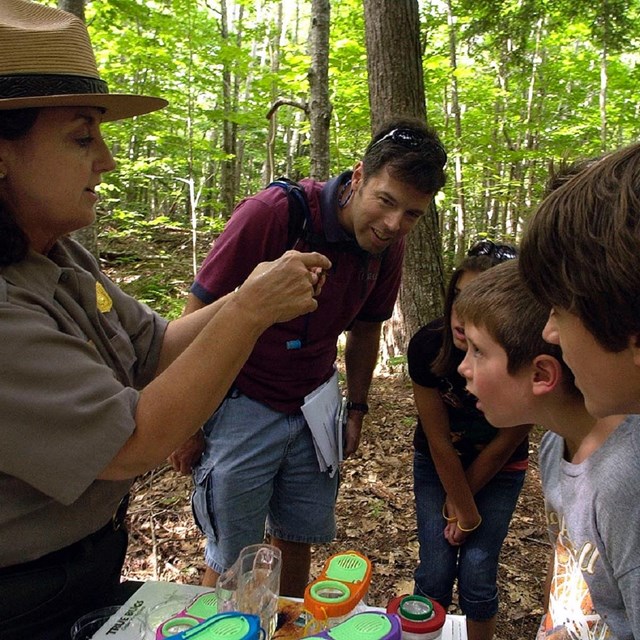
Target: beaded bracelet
(445,516)
(472,528)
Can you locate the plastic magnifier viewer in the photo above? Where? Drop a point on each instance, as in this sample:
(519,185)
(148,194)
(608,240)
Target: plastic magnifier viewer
(231,625)
(364,626)
(341,586)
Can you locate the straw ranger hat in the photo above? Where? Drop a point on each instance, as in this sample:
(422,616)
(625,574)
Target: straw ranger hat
(46,60)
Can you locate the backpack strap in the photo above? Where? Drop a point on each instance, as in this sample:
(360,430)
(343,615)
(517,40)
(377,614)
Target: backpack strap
(300,223)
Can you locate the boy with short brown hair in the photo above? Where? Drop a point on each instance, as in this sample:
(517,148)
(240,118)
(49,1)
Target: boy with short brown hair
(590,467)
(580,257)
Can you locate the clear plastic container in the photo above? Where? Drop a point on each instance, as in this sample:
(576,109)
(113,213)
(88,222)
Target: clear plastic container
(252,585)
(88,625)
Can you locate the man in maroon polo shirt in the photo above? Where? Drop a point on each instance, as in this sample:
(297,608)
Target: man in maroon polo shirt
(259,462)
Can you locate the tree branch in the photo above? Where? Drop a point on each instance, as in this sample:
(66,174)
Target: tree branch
(283,101)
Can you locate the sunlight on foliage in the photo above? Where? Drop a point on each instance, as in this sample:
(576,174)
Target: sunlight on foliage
(524,94)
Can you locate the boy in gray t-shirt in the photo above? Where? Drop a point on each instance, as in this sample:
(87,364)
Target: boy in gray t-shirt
(591,507)
(590,467)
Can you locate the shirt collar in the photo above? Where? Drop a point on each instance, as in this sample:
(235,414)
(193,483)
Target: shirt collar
(329,208)
(38,272)
(329,195)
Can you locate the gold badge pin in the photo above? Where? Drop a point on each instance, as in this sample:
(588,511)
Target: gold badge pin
(104,302)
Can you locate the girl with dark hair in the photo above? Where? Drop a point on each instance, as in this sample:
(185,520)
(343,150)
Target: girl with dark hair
(467,475)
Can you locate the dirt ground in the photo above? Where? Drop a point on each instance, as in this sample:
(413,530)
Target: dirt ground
(375,508)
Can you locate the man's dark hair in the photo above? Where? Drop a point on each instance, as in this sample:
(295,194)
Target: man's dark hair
(411,151)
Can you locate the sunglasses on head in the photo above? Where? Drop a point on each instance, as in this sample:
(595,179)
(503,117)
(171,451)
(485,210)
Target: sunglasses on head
(496,251)
(412,139)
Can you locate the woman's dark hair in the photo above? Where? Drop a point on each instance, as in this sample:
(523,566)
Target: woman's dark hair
(481,256)
(14,124)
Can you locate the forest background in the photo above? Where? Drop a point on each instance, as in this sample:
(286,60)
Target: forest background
(515,88)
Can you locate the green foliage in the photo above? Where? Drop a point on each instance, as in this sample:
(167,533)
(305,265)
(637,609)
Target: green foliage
(397,360)
(167,298)
(528,77)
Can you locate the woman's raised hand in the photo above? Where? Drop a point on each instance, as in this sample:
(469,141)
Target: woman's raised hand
(283,289)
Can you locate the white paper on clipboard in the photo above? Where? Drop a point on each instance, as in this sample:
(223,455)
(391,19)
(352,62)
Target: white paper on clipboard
(321,409)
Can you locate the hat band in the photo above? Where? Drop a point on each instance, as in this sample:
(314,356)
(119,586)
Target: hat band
(33,85)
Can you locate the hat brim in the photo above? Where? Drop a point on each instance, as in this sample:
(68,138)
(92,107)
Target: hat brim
(115,106)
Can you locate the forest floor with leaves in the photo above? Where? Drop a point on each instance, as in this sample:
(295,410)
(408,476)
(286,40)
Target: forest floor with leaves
(375,511)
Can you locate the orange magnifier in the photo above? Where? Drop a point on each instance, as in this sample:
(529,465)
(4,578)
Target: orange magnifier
(342,584)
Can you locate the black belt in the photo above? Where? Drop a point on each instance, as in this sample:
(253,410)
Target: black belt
(116,523)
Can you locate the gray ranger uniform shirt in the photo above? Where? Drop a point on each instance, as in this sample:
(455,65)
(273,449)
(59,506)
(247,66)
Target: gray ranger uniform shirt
(74,351)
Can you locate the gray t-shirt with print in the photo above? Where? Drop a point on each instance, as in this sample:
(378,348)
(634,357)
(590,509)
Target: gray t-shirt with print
(593,516)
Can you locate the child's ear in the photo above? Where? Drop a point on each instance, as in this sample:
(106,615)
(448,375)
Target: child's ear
(547,374)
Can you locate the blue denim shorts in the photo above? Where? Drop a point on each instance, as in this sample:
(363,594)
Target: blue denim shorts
(475,563)
(259,469)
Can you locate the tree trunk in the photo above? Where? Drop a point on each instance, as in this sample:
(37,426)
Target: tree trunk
(603,97)
(319,103)
(228,172)
(459,224)
(269,164)
(396,87)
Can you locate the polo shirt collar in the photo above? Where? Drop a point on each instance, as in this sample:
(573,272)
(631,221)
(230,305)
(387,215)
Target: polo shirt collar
(329,210)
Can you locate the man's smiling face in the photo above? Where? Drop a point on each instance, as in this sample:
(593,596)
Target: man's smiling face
(382,210)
